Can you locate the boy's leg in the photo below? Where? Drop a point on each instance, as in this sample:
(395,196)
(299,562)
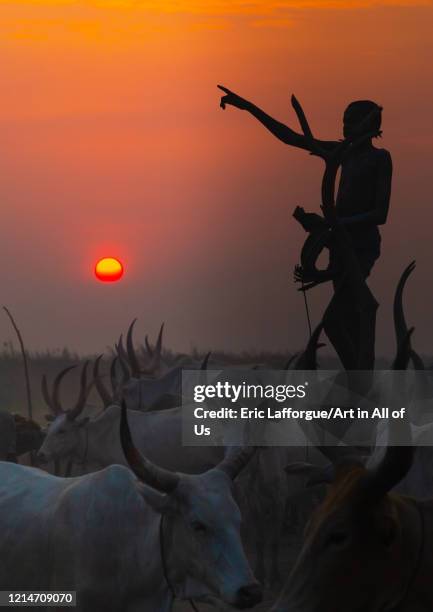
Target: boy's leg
(350,328)
(340,331)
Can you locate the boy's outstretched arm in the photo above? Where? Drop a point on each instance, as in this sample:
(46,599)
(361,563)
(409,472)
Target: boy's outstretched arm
(278,129)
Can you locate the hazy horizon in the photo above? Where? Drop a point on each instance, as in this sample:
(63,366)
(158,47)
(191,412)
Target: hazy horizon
(113,144)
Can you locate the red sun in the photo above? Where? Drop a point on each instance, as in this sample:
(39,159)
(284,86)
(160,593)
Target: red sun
(108,269)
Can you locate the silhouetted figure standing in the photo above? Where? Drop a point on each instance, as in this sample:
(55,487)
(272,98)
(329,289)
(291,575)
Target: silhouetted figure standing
(362,205)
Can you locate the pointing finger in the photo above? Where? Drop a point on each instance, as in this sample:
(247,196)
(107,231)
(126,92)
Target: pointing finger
(224,89)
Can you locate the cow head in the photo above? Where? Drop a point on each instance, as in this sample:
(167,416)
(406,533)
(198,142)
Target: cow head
(201,529)
(63,434)
(361,544)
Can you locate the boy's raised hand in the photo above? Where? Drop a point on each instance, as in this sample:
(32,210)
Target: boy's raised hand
(309,221)
(232,99)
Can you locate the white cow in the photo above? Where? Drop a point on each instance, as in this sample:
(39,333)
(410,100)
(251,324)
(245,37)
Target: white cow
(95,442)
(124,543)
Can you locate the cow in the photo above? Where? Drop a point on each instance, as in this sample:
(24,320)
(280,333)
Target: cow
(95,442)
(263,490)
(366,547)
(126,539)
(151,385)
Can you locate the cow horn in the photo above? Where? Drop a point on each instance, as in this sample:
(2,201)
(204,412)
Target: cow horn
(74,412)
(56,388)
(121,350)
(400,325)
(132,357)
(105,395)
(236,460)
(148,347)
(144,353)
(156,357)
(308,359)
(46,396)
(205,361)
(397,460)
(399,318)
(146,471)
(158,346)
(126,375)
(116,385)
(155,363)
(113,376)
(290,360)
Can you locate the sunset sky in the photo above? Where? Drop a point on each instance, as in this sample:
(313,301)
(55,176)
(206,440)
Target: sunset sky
(113,144)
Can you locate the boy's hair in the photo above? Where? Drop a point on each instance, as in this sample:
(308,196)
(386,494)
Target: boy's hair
(360,109)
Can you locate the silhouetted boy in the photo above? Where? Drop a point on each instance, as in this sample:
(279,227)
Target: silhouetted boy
(362,205)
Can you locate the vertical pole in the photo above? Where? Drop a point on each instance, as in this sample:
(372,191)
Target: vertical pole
(26,368)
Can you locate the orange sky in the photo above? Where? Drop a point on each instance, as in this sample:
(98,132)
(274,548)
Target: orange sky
(113,143)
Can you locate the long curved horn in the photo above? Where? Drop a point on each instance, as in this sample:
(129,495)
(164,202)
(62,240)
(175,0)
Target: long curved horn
(121,350)
(155,363)
(158,346)
(105,395)
(236,460)
(84,391)
(400,325)
(148,347)
(144,353)
(289,361)
(132,356)
(404,350)
(308,359)
(397,460)
(145,470)
(156,357)
(117,385)
(46,395)
(56,387)
(113,375)
(126,375)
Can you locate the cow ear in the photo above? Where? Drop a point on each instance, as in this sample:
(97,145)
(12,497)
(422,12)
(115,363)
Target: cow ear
(160,502)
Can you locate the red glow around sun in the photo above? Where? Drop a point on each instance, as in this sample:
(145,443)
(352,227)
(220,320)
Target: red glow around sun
(108,269)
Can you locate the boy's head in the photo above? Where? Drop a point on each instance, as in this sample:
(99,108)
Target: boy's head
(357,112)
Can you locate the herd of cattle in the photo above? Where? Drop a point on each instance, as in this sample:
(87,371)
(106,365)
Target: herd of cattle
(132,520)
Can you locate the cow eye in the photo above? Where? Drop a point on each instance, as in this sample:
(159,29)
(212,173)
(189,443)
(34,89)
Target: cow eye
(198,527)
(338,538)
